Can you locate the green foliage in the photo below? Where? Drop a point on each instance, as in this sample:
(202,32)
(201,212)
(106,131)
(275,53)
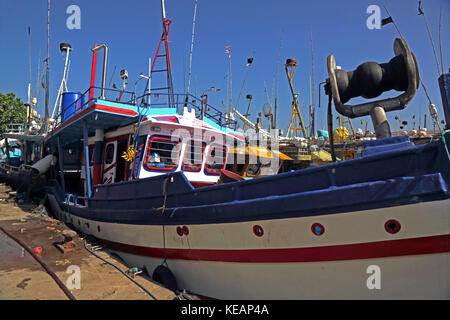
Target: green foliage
(12,110)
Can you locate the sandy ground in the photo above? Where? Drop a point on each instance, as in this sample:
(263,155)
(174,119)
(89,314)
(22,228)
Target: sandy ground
(21,277)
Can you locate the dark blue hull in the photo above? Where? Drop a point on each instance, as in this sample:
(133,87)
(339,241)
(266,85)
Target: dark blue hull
(385,178)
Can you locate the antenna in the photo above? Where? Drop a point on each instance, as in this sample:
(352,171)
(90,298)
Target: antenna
(312,106)
(190,55)
(64,47)
(112,76)
(249,64)
(38,84)
(29,62)
(276,81)
(47,69)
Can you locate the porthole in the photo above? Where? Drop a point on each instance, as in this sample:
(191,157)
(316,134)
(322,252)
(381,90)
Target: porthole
(392,226)
(318,229)
(258,230)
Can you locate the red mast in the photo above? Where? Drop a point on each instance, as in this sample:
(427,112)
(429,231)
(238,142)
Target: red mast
(165,40)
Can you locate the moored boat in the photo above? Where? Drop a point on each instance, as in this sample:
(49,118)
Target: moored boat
(311,233)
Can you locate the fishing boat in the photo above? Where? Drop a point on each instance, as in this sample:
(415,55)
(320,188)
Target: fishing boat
(142,179)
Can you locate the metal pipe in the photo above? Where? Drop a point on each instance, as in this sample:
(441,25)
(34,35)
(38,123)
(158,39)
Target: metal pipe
(105,62)
(94,65)
(61,163)
(380,122)
(330,128)
(86,153)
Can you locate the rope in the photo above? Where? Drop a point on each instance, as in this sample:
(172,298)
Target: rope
(120,270)
(46,268)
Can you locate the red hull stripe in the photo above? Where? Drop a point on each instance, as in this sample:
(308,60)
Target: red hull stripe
(123,111)
(369,250)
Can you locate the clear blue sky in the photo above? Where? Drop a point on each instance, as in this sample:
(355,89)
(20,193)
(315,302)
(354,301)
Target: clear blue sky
(132,29)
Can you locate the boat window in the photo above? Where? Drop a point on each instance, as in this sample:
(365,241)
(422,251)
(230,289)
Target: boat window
(109,153)
(162,153)
(236,168)
(216,159)
(194,155)
(139,155)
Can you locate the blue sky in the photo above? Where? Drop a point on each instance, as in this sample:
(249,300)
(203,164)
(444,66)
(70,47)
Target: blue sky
(132,30)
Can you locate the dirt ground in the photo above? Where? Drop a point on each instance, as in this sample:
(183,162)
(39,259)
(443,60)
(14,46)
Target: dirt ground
(23,278)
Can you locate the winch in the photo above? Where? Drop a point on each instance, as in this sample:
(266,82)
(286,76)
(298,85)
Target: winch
(370,80)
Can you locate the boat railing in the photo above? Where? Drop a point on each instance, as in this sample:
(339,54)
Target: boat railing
(202,109)
(73,199)
(148,100)
(24,128)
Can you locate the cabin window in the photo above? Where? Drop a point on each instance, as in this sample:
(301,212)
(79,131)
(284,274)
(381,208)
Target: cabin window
(139,155)
(216,160)
(194,156)
(162,153)
(236,168)
(109,154)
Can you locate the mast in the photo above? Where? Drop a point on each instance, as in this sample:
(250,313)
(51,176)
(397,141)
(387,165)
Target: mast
(190,54)
(47,69)
(276,82)
(166,44)
(29,63)
(231,87)
(312,124)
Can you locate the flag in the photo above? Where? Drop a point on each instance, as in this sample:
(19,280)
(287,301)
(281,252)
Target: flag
(249,62)
(228,50)
(420,8)
(386,21)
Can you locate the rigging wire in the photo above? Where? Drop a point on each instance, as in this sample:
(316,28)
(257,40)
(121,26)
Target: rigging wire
(422,12)
(190,54)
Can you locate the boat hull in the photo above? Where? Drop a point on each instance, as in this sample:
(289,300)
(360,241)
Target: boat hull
(290,259)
